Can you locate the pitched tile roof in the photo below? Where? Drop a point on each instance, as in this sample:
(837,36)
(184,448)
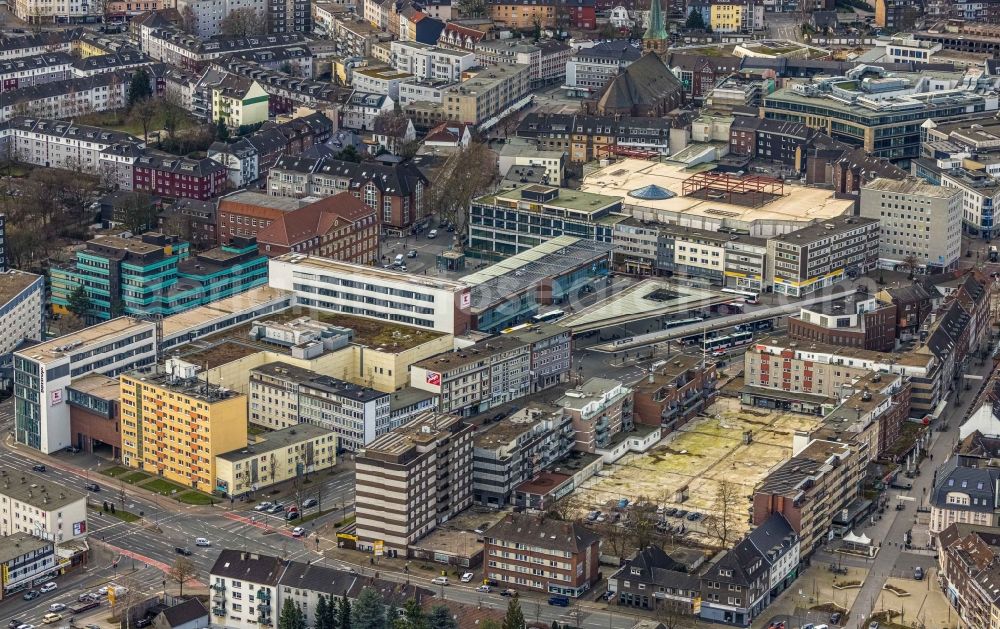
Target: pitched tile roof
(313,220)
(542,532)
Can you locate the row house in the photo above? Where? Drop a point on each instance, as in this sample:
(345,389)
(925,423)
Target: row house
(173,46)
(395,191)
(742,583)
(250,157)
(68,98)
(111,62)
(46,42)
(35,70)
(674,391)
(966,491)
(561,14)
(460,37)
(180,177)
(288,92)
(61,144)
(969,572)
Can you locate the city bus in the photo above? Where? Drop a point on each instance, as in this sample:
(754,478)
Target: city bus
(551,315)
(681,322)
(727,342)
(516,328)
(749,297)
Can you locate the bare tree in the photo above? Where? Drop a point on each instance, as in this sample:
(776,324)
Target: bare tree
(142,113)
(565,509)
(727,500)
(172,112)
(466,175)
(508,124)
(183,571)
(243,22)
(188,19)
(669,615)
(641,522)
(911,262)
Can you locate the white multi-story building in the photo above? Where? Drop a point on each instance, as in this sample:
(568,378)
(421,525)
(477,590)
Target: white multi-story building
(22,310)
(46,11)
(431,62)
(42,373)
(283,395)
(40,507)
(384,81)
(589,69)
(243,590)
(916,219)
(411,480)
(36,69)
(62,144)
(374,293)
(207,15)
(68,98)
(424,90)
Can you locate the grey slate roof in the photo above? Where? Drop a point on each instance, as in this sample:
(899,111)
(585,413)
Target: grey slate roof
(544,533)
(244,566)
(979,483)
(183,613)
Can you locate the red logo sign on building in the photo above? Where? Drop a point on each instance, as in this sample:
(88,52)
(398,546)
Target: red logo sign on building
(433,378)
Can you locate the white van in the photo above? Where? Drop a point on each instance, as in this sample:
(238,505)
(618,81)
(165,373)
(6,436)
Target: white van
(399,260)
(201,541)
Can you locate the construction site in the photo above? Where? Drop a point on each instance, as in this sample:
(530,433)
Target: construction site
(686,469)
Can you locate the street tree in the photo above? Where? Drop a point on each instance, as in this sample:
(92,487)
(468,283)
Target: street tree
(514,618)
(142,113)
(413,616)
(139,87)
(368,611)
(695,20)
(182,571)
(911,262)
(137,212)
(326,612)
(441,618)
(79,301)
(291,616)
(172,112)
(727,500)
(467,174)
(472,8)
(344,613)
(188,19)
(243,22)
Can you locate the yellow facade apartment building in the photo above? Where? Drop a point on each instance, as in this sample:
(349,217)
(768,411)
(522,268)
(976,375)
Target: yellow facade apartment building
(173,424)
(727,17)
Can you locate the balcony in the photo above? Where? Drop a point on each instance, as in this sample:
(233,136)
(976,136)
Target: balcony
(219,587)
(219,611)
(264,596)
(264,609)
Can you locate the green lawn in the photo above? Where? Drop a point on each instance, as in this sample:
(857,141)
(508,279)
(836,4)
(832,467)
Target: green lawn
(124,516)
(195,498)
(135,477)
(163,487)
(116,471)
(254,430)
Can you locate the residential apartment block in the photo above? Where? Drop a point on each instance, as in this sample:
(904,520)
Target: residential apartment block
(967,560)
(24,559)
(588,69)
(174,425)
(411,480)
(810,490)
(22,311)
(599,409)
(430,62)
(857,320)
(675,390)
(396,191)
(515,449)
(817,256)
(282,455)
(37,506)
(528,552)
(965,492)
(586,138)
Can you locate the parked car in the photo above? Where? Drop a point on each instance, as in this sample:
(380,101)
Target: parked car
(143,622)
(482,528)
(432,233)
(490,582)
(918,573)
(559,600)
(508,592)
(412,253)
(276,508)
(483,588)
(30,595)
(835,618)
(873,625)
(440,580)
(38,467)
(467,577)
(593,515)
(48,587)
(694,516)
(264,506)
(92,487)
(681,513)
(670,512)
(309,502)
(292,515)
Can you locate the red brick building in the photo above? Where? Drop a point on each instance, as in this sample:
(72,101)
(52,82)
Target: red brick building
(93,415)
(179,177)
(246,213)
(340,227)
(529,552)
(858,320)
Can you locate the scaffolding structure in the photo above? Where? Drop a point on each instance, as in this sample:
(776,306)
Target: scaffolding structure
(606,150)
(749,191)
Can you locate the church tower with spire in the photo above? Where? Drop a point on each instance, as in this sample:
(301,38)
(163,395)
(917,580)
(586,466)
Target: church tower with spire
(655,38)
